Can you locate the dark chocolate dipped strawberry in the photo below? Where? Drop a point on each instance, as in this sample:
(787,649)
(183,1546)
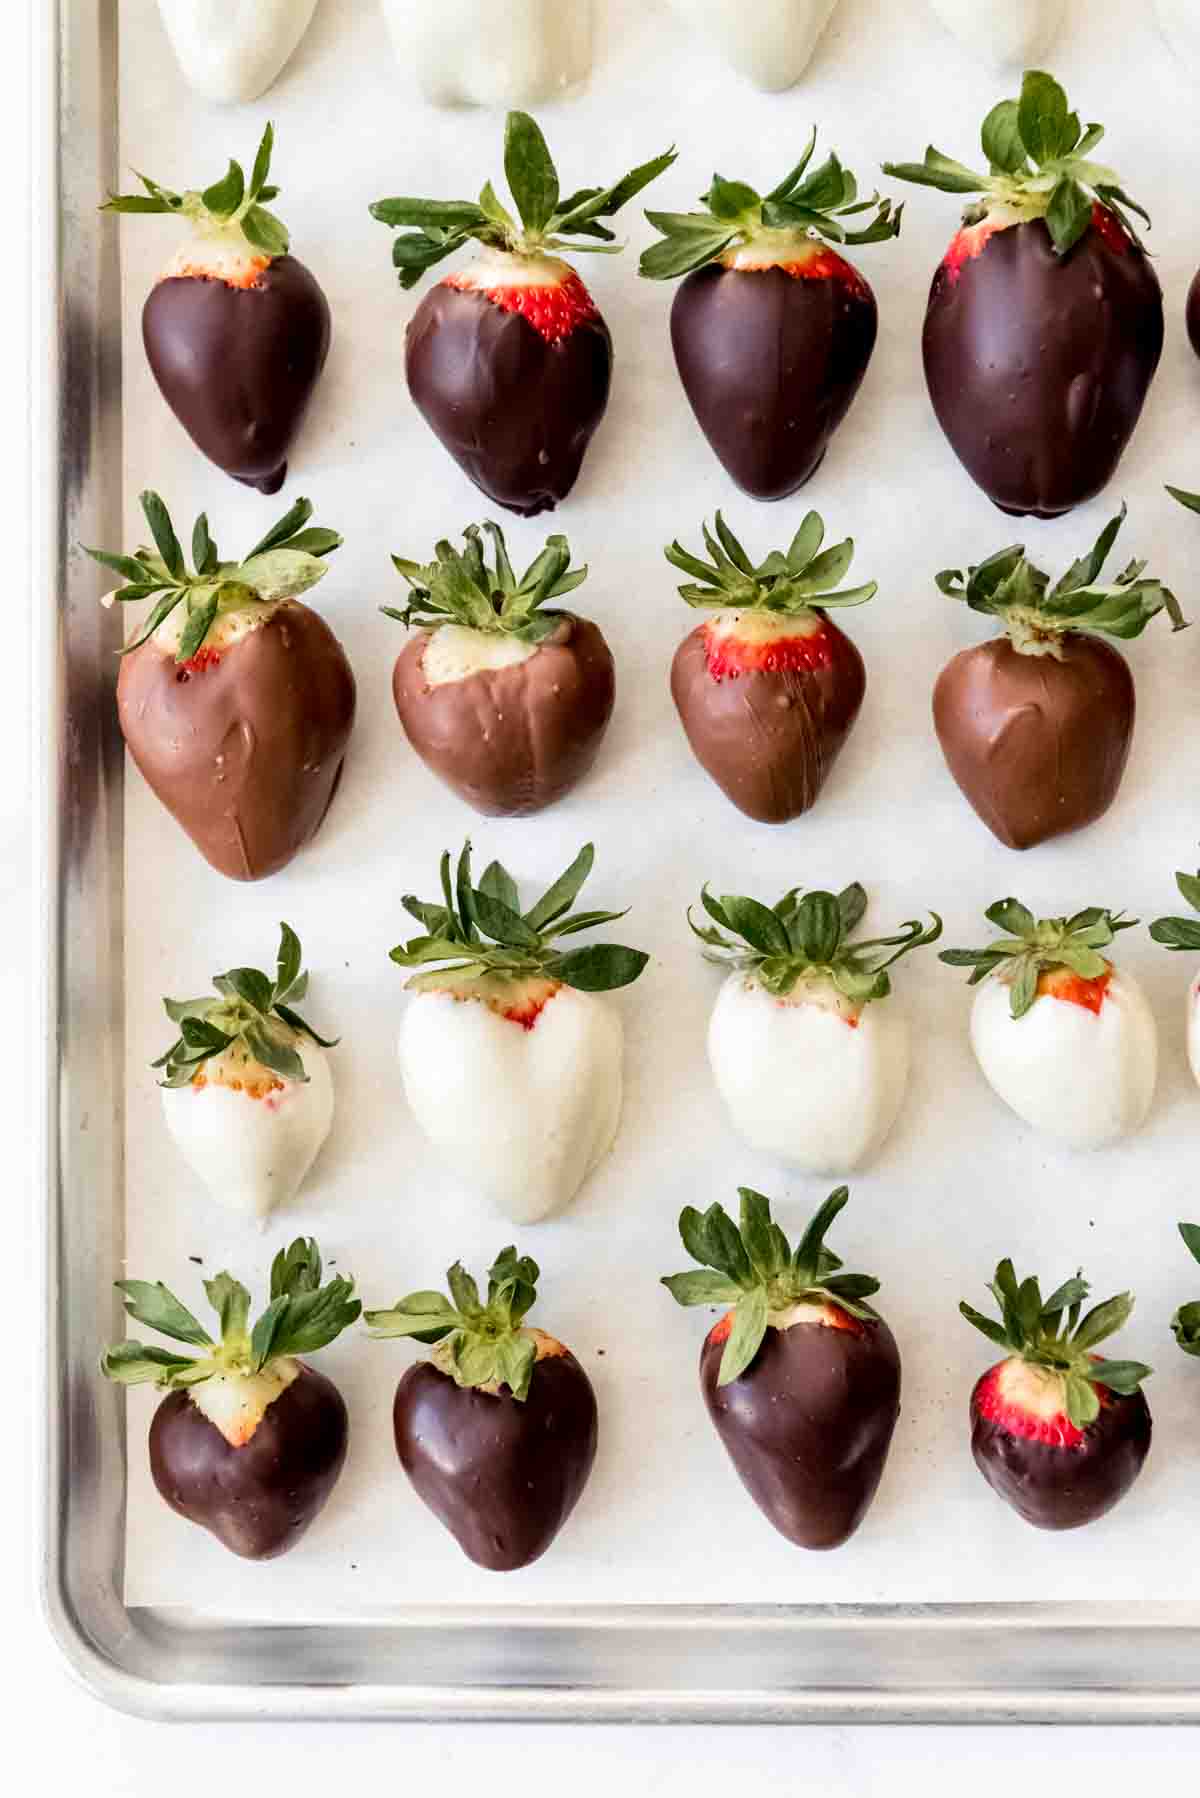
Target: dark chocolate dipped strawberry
(236,330)
(505,701)
(508,360)
(1036,725)
(769,688)
(236,701)
(1045,319)
(772,329)
(1057,1431)
(250,1440)
(802,1377)
(497,1429)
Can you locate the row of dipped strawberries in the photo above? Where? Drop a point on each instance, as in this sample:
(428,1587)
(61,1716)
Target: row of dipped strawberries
(237,701)
(1043,333)
(497,1429)
(513,1065)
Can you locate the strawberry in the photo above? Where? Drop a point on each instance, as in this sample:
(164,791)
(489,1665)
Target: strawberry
(246,1089)
(511,1066)
(769,688)
(236,701)
(1057,1431)
(1036,725)
(812,1066)
(772,329)
(1063,1037)
(509,360)
(1182,935)
(1045,326)
(1009,33)
(506,702)
(234,52)
(236,330)
(497,1429)
(250,1440)
(802,1377)
(770,42)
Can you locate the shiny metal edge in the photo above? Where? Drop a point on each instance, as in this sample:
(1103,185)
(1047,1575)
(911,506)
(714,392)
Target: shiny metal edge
(949,1664)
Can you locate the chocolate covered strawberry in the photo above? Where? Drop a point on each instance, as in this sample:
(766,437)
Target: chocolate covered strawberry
(497,1429)
(1009,33)
(246,1089)
(1186,1322)
(1059,1432)
(1037,724)
(504,700)
(772,329)
(508,360)
(1066,1039)
(250,1440)
(811,1064)
(768,689)
(802,1377)
(234,50)
(511,1066)
(1183,936)
(770,42)
(236,700)
(236,330)
(1045,320)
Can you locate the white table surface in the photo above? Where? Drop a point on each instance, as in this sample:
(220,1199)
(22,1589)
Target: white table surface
(57,1733)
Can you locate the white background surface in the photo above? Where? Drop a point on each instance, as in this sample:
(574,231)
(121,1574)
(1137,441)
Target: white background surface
(52,1727)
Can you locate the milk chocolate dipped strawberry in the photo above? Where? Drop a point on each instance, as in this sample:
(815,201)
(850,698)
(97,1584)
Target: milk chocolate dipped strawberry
(1036,725)
(811,1063)
(497,1429)
(802,1377)
(505,701)
(511,1065)
(246,1089)
(1062,1036)
(772,329)
(1057,1431)
(768,689)
(236,700)
(236,330)
(1045,319)
(250,1440)
(508,360)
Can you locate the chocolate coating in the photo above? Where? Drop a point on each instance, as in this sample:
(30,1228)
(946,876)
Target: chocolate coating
(238,365)
(809,1424)
(771,364)
(1037,745)
(502,1476)
(246,753)
(259,1499)
(1193,313)
(1038,365)
(511,741)
(517,413)
(769,739)
(1064,1488)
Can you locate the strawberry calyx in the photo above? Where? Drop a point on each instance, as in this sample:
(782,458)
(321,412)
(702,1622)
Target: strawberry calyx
(1057,958)
(231,211)
(484,1344)
(462,587)
(1181,934)
(799,584)
(751,1266)
(1053,1372)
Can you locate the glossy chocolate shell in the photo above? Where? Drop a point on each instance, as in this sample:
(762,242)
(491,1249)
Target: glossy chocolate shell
(1037,745)
(1193,314)
(511,741)
(1064,1488)
(238,365)
(1038,365)
(259,1499)
(771,363)
(769,739)
(502,1476)
(809,1424)
(516,412)
(245,752)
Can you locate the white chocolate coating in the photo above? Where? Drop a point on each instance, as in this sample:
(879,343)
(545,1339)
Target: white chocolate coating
(770,42)
(492,52)
(234,50)
(1006,33)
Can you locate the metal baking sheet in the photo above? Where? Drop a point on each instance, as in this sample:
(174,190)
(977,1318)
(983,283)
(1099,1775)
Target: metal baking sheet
(944,1606)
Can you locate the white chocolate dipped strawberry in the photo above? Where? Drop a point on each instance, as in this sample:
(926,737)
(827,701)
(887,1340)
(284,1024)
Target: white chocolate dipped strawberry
(770,42)
(1183,936)
(234,50)
(511,1066)
(811,1064)
(1063,1037)
(1007,33)
(492,52)
(247,1091)
(1179,22)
